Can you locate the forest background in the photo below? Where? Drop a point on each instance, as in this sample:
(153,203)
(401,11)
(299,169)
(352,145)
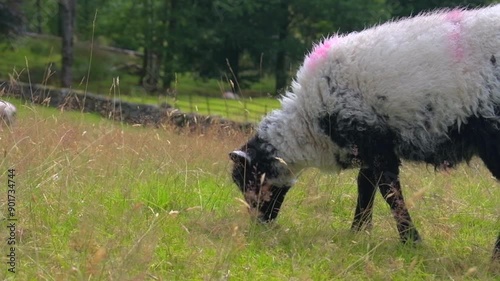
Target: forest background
(238,43)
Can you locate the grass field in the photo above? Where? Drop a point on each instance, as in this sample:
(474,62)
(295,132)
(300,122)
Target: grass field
(98,200)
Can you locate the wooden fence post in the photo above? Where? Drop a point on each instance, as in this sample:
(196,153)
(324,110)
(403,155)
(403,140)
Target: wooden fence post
(227,109)
(191,103)
(208,105)
(245,110)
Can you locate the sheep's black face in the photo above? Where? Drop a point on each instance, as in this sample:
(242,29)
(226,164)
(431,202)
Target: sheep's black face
(262,178)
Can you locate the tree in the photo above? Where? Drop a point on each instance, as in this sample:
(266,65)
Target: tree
(280,72)
(233,37)
(413,7)
(67,9)
(151,59)
(11,18)
(299,23)
(85,16)
(241,39)
(170,19)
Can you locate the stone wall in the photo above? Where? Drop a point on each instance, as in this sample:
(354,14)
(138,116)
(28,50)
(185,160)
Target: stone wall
(132,113)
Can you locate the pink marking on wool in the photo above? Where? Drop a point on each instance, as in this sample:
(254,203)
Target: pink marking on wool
(455,18)
(319,53)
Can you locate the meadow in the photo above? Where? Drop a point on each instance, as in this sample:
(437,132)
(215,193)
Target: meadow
(101,200)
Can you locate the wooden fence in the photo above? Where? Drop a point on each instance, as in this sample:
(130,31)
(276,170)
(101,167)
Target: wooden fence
(242,110)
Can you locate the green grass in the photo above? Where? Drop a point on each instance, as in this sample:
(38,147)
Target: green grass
(99,200)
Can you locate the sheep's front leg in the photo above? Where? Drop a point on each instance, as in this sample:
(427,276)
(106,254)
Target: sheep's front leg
(390,188)
(269,209)
(367,184)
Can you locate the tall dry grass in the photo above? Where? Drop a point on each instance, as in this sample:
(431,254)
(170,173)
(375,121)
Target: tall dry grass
(98,200)
(89,194)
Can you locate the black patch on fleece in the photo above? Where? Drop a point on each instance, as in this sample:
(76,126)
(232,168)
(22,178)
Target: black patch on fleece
(493,60)
(458,147)
(485,133)
(368,141)
(331,88)
(479,136)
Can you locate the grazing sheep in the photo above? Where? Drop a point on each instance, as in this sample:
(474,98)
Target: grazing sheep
(230,96)
(423,89)
(7,112)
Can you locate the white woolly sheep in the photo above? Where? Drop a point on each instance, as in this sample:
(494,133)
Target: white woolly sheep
(422,89)
(230,96)
(7,112)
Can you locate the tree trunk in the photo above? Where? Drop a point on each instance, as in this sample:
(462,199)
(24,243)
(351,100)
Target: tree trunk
(150,67)
(38,4)
(67,15)
(84,25)
(171,25)
(150,71)
(11,19)
(233,64)
(280,69)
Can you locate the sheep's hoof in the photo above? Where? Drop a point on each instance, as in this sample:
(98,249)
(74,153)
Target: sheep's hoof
(357,227)
(411,238)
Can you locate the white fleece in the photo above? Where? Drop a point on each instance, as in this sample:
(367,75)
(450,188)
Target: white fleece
(442,59)
(7,112)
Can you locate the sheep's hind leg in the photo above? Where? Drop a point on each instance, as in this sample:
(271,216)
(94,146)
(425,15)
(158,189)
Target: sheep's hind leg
(390,188)
(493,165)
(367,183)
(488,145)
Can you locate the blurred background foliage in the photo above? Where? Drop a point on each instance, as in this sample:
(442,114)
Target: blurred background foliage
(238,41)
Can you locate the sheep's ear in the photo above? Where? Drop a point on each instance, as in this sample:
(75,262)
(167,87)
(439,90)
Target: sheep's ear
(240,157)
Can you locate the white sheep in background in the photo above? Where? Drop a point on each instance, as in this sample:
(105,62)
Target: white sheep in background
(7,112)
(230,96)
(423,89)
